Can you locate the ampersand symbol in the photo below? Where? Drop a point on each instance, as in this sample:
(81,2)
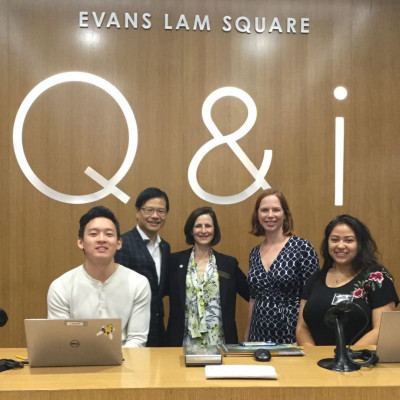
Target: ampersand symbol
(231,141)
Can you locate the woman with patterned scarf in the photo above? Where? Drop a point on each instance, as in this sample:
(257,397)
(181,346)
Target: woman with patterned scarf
(202,286)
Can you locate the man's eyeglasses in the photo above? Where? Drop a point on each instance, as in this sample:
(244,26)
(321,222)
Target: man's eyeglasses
(147,211)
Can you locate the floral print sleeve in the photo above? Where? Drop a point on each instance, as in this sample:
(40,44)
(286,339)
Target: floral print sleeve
(376,288)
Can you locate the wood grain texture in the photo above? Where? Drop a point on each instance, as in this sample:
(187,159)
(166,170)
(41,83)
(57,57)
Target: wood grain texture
(165,75)
(161,374)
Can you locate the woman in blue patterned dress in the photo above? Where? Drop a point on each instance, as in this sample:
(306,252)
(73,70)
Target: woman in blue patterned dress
(278,269)
(352,272)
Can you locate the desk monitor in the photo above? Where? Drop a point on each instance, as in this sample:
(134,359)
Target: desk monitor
(388,346)
(62,343)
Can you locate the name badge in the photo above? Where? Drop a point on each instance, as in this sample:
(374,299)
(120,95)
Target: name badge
(223,274)
(338,297)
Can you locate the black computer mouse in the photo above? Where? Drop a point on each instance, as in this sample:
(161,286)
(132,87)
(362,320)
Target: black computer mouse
(262,355)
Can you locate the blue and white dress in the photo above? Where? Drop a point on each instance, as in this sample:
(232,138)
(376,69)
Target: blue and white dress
(277,292)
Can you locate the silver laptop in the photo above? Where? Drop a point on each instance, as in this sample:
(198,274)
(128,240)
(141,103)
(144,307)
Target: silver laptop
(62,343)
(388,346)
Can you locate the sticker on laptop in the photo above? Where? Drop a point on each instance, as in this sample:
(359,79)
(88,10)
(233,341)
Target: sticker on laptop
(106,330)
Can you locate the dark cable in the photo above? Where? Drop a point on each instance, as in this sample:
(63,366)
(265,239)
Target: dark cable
(368,357)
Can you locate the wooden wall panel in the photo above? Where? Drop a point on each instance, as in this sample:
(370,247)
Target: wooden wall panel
(165,75)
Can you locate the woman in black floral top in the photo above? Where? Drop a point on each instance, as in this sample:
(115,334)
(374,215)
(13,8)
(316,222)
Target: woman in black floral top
(351,271)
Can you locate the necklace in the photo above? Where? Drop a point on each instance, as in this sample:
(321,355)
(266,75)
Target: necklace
(339,277)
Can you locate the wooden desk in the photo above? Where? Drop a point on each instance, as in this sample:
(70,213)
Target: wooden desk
(160,374)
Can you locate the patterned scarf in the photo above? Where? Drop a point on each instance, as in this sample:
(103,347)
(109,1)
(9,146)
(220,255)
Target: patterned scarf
(203,307)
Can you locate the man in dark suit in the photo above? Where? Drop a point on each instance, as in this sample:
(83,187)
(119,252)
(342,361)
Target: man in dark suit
(145,252)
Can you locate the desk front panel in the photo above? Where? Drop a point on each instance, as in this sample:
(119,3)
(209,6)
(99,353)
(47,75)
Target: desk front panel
(160,374)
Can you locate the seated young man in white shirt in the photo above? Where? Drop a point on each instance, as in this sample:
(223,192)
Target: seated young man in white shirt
(100,288)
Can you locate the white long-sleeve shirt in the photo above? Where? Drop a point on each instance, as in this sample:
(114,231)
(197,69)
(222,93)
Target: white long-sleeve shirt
(126,295)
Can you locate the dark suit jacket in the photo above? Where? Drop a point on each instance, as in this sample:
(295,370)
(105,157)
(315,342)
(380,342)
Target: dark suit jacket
(134,255)
(231,281)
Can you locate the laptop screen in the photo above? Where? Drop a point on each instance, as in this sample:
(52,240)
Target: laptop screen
(388,346)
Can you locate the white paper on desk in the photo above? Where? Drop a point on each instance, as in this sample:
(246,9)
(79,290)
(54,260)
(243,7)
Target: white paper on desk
(240,372)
